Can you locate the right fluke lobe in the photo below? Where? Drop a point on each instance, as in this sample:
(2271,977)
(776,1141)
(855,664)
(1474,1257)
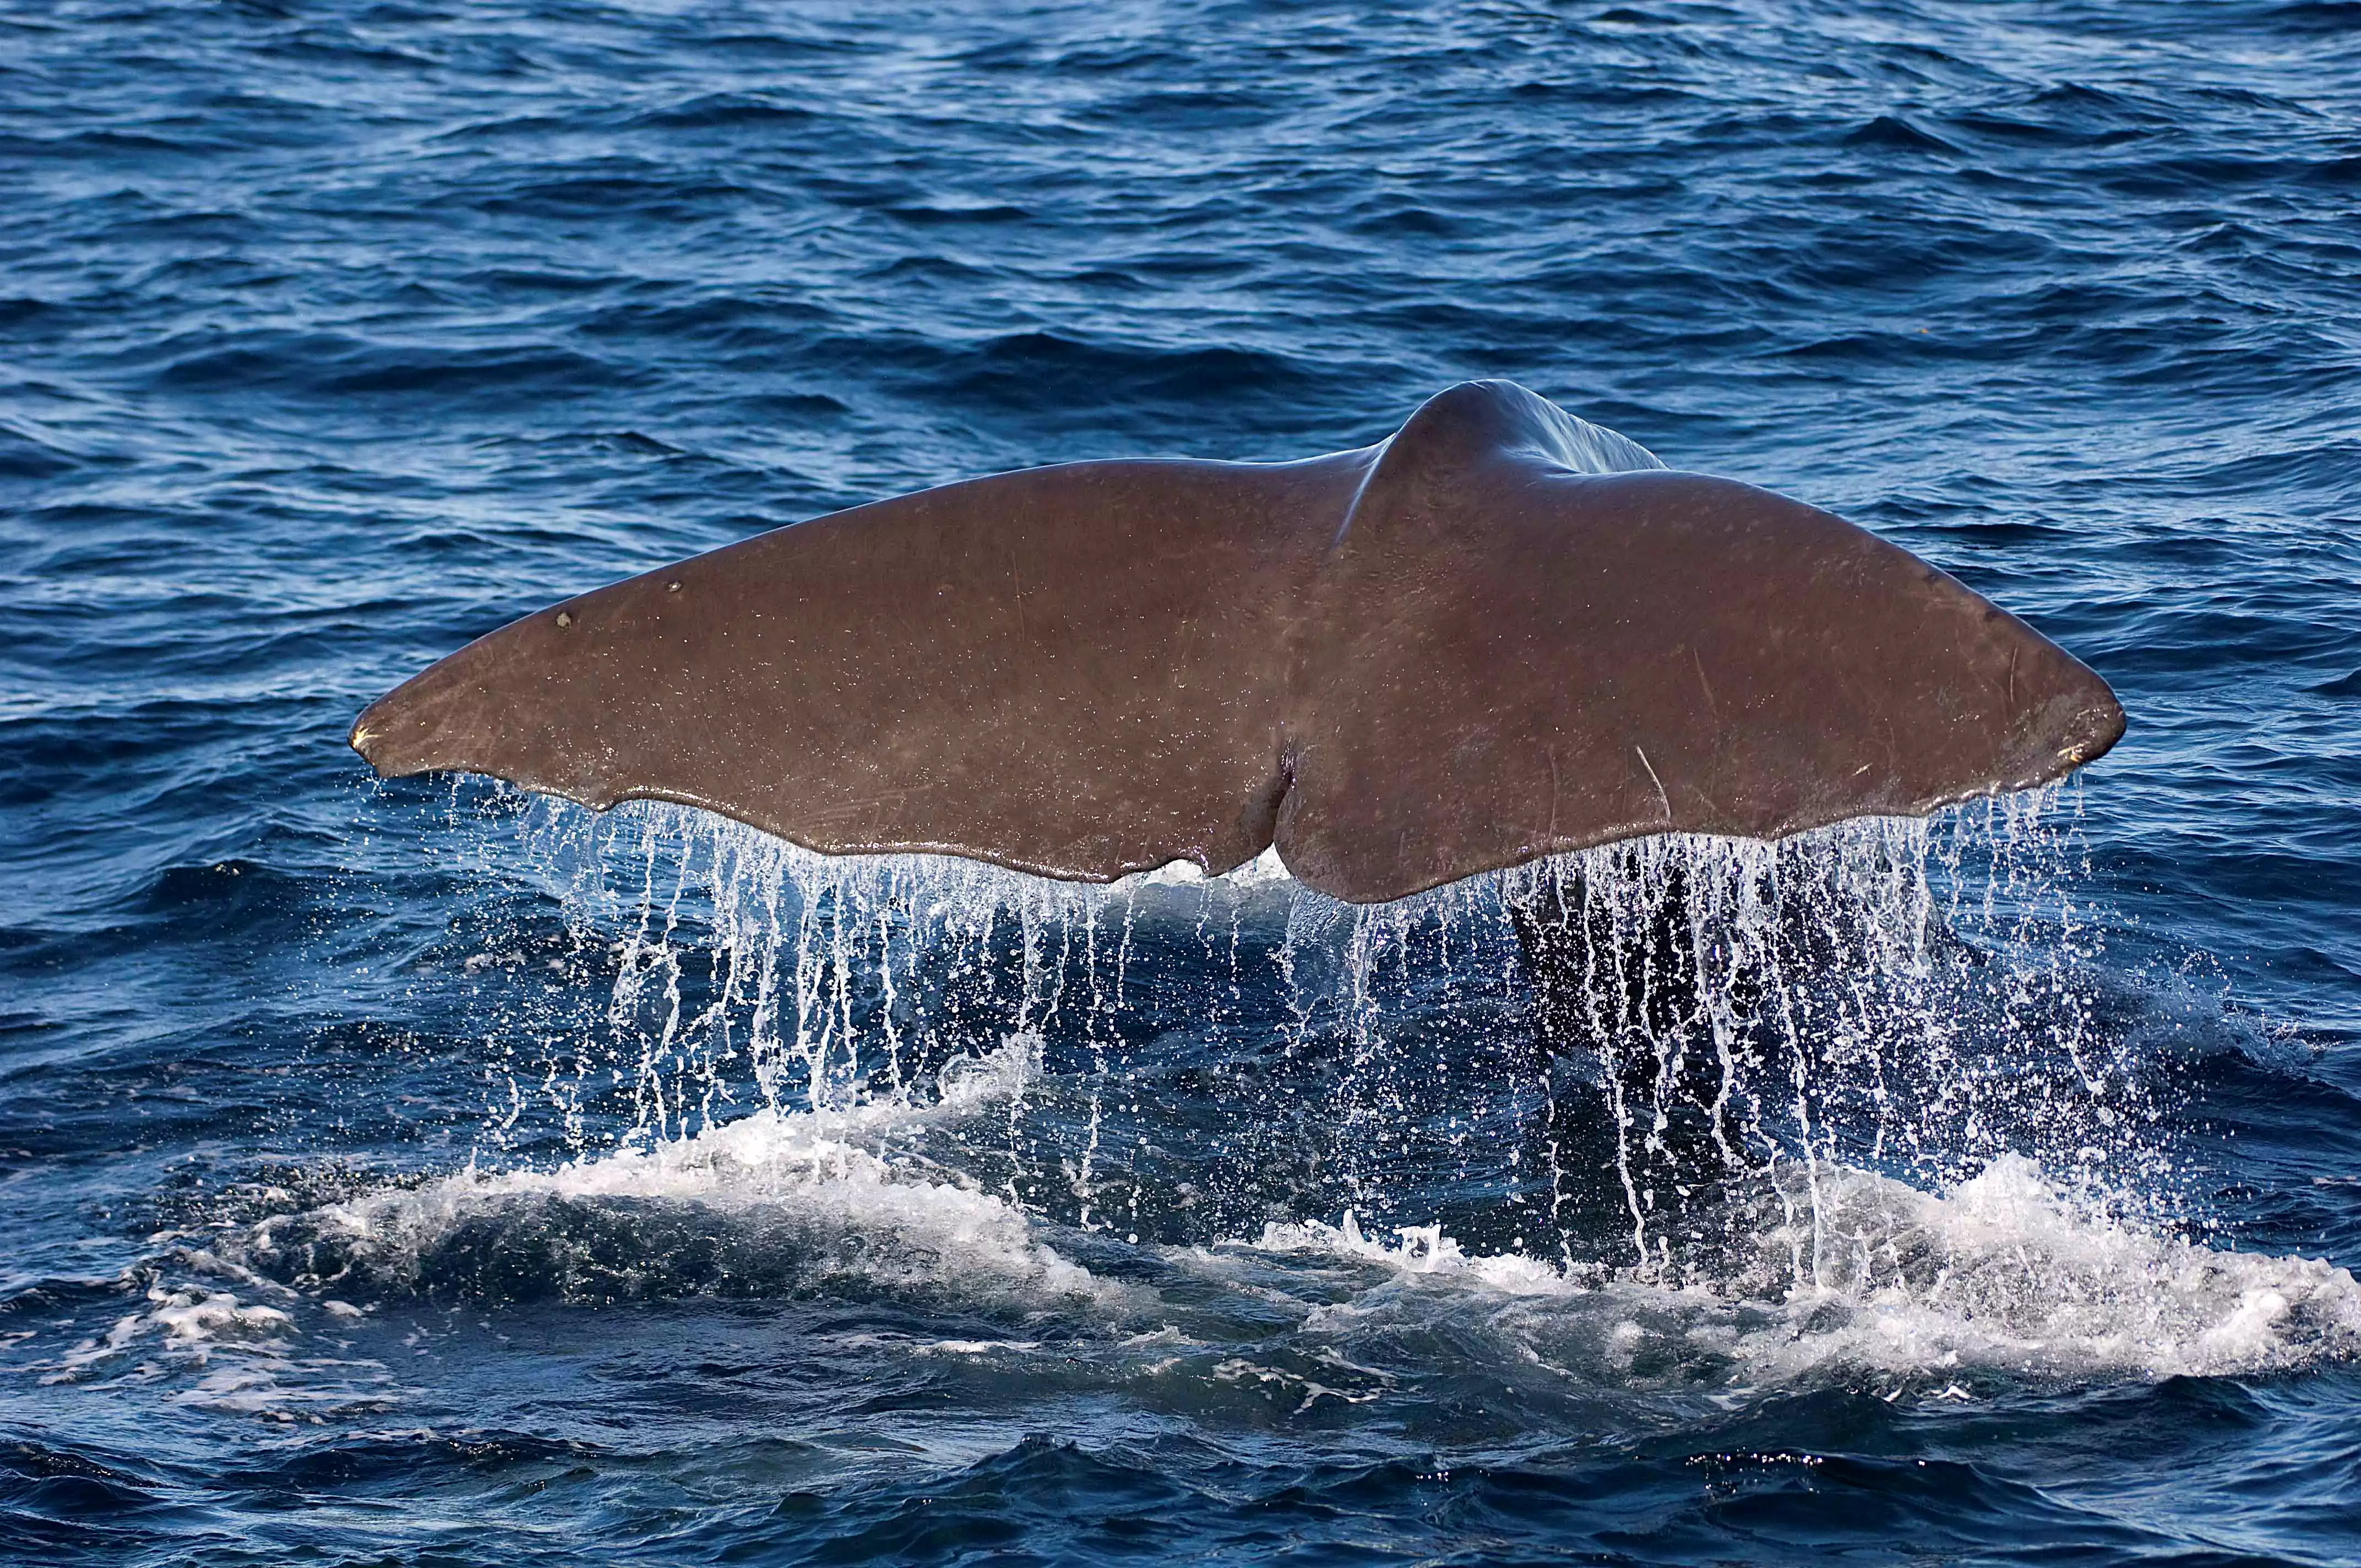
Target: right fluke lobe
(1525,651)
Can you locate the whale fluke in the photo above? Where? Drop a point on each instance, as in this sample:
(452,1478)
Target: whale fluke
(1500,633)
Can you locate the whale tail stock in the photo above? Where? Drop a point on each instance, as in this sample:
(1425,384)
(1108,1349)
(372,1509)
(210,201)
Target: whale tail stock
(1499,634)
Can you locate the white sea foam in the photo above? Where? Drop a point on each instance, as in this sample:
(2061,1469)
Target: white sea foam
(2007,1271)
(208,1348)
(2003,1273)
(799,1194)
(1418,1250)
(192,1320)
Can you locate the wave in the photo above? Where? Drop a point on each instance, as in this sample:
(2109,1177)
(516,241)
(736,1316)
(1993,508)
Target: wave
(1831,1274)
(776,1204)
(2003,1273)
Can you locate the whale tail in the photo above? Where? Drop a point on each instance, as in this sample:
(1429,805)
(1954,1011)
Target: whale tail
(1500,633)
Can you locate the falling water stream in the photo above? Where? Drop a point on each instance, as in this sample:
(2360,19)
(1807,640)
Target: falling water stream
(1866,1097)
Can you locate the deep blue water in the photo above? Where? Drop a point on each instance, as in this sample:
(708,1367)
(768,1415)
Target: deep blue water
(332,335)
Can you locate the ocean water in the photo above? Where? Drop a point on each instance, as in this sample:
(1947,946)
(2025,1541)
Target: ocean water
(423,1174)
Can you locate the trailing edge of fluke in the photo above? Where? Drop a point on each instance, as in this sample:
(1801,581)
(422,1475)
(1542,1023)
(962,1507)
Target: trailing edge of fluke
(1499,634)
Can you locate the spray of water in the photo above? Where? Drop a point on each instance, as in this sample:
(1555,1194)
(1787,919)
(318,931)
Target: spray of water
(1649,1054)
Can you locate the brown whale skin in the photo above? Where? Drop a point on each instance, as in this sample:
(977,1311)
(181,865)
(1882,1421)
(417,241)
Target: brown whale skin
(1457,650)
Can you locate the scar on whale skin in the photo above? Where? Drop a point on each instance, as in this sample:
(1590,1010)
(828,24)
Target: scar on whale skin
(1403,664)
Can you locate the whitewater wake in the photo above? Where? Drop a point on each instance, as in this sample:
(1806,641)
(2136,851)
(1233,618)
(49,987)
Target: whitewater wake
(2005,1273)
